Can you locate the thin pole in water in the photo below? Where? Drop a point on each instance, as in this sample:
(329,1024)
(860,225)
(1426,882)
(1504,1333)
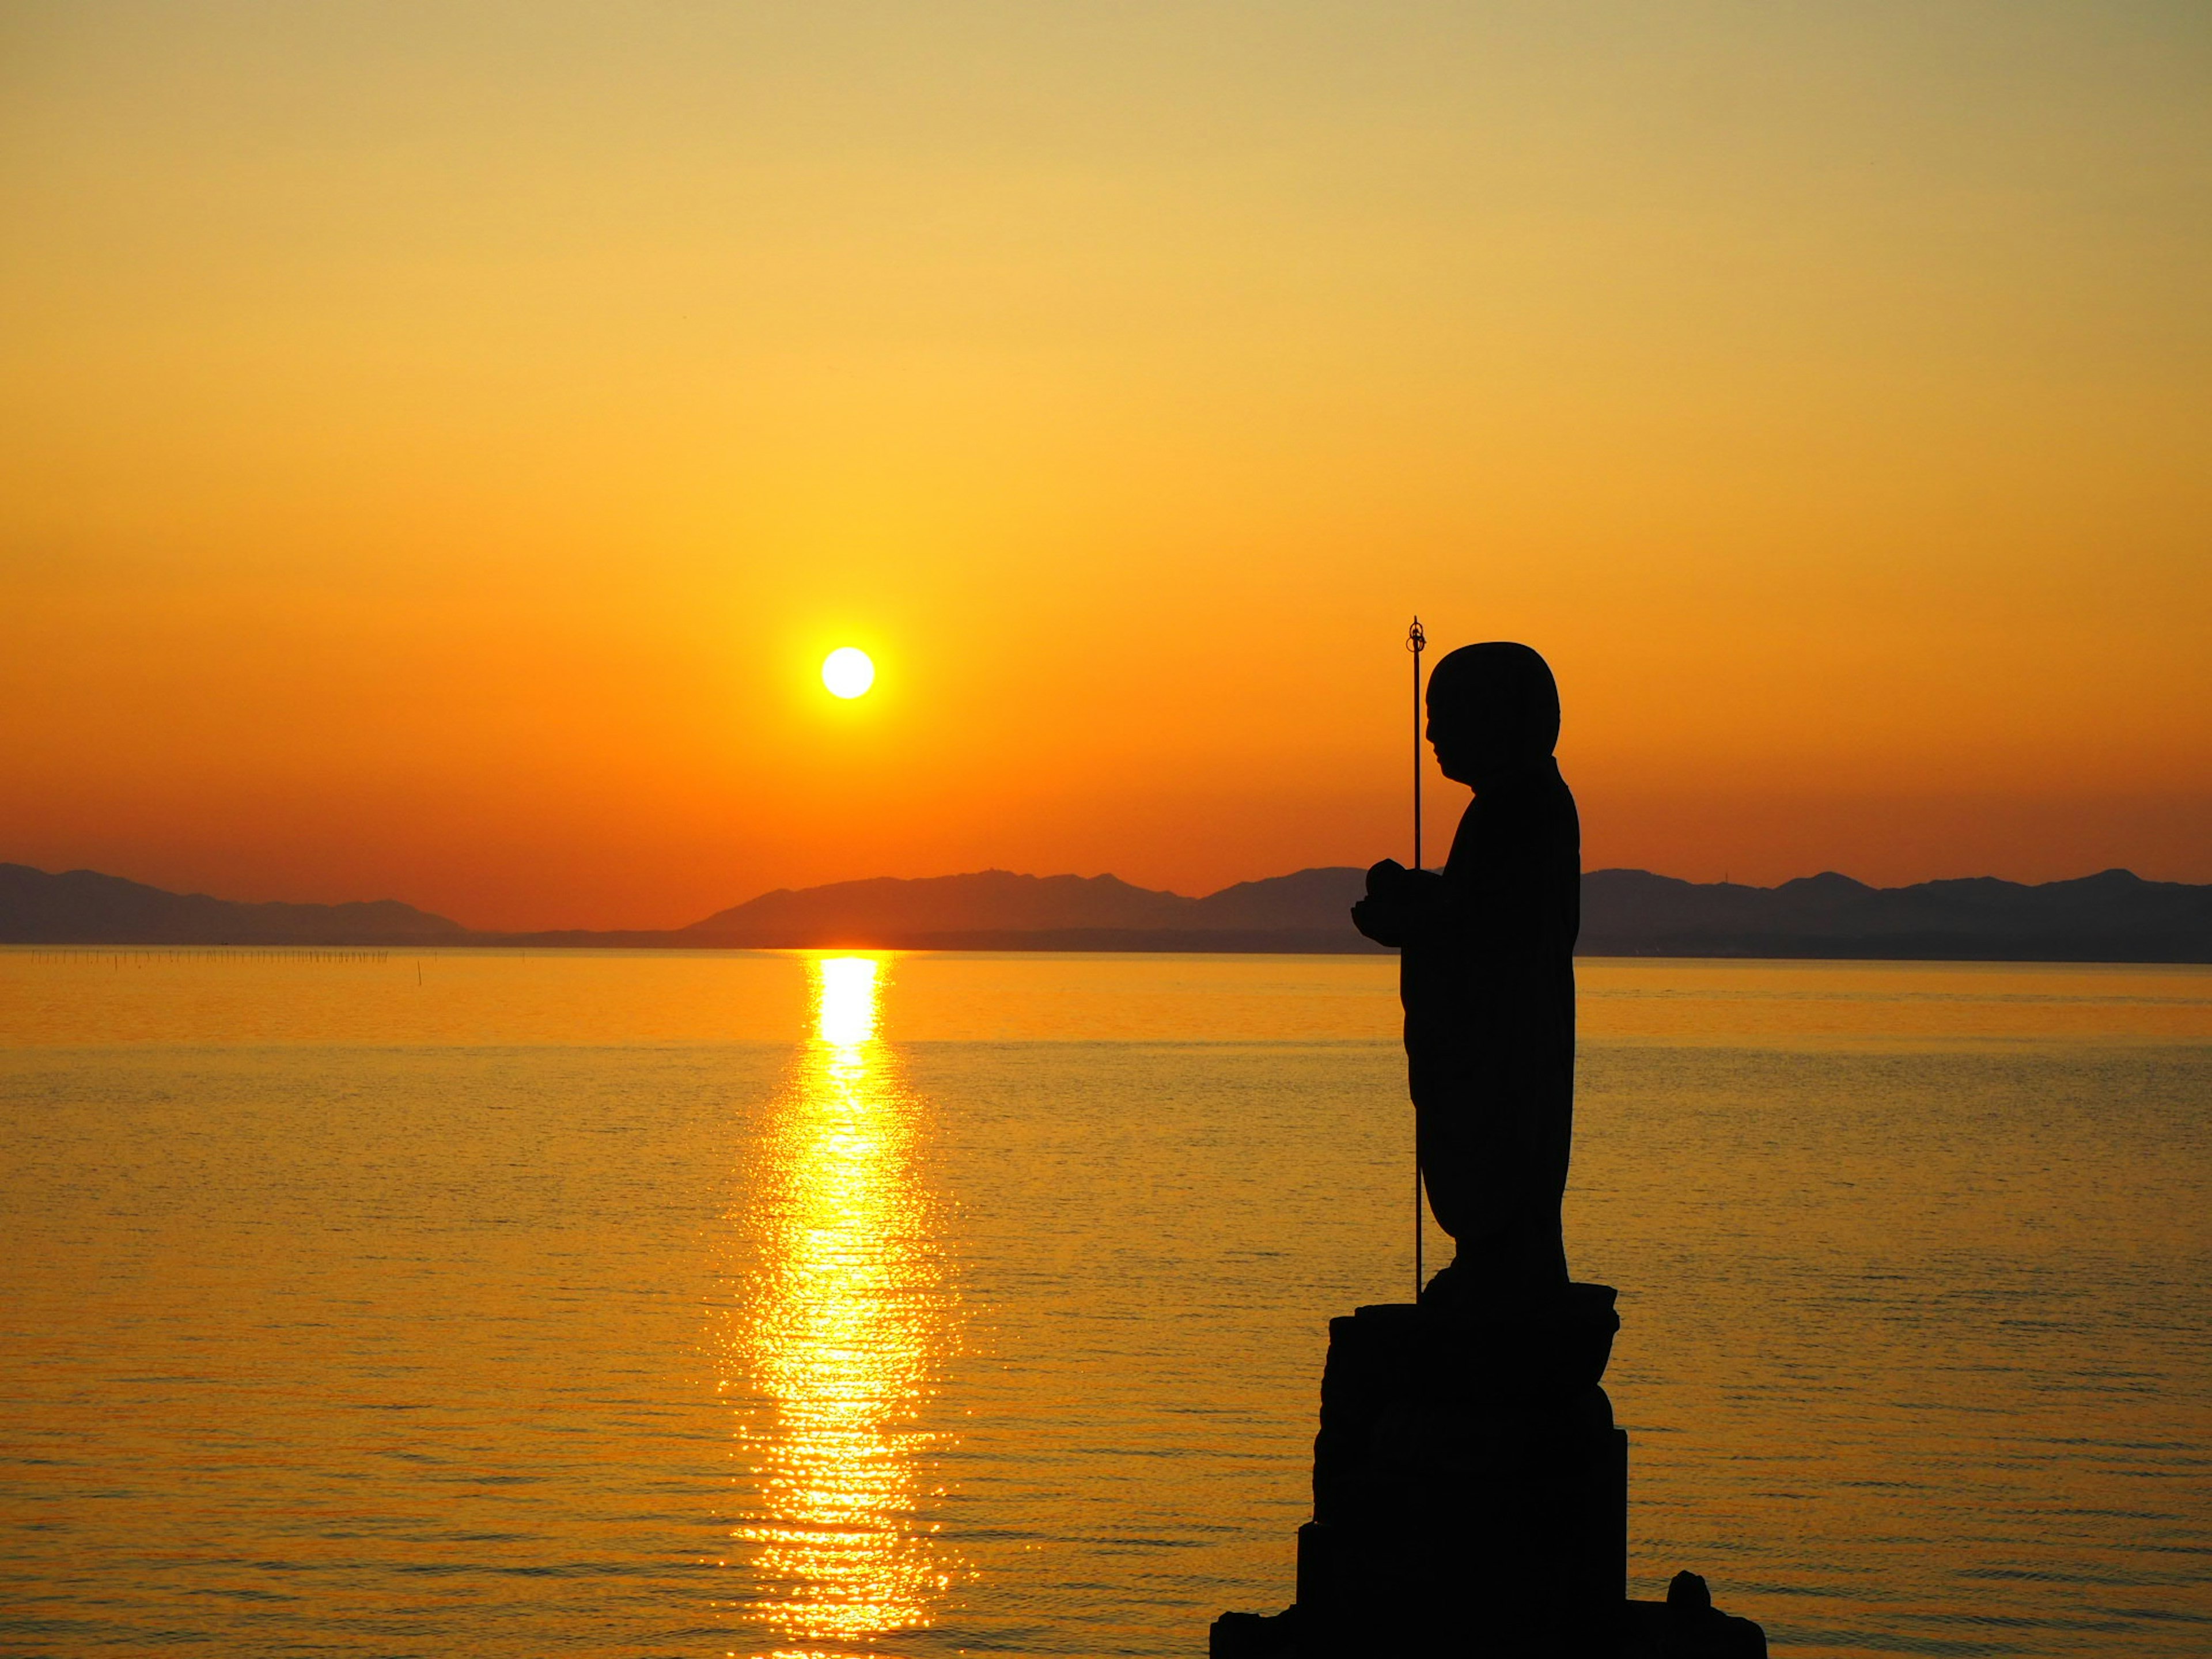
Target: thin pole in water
(1416,641)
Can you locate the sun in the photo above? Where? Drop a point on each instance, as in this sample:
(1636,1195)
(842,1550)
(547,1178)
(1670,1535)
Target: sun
(848,672)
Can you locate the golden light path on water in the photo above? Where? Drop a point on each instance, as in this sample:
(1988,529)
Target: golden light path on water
(838,1343)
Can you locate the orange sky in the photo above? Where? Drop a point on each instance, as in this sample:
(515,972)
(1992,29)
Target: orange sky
(441,440)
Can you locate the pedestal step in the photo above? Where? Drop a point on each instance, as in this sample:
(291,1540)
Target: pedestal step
(1645,1630)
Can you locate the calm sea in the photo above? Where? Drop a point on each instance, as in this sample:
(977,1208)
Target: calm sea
(628,1304)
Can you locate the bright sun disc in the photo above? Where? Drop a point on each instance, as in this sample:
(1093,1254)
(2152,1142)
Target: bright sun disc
(847,671)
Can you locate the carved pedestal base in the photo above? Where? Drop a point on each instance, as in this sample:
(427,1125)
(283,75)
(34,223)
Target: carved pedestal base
(1470,1496)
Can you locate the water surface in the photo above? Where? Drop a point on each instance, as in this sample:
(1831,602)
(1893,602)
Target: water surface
(752,1305)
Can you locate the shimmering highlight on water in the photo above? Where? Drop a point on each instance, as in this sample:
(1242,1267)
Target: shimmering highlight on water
(844,1322)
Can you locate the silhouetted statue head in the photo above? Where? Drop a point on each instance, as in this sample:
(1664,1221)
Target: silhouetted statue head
(1493,709)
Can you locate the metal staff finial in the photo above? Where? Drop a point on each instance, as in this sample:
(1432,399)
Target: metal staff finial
(1416,641)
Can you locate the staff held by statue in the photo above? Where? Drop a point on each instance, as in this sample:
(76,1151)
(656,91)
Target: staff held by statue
(1416,641)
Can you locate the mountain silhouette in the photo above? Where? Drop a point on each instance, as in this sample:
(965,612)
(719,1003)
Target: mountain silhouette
(999,902)
(83,907)
(989,899)
(2112,916)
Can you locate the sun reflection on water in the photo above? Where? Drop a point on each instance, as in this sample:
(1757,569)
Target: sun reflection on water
(839,1344)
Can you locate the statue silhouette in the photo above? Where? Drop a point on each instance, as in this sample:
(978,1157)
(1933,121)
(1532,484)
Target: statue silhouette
(1470,1485)
(1487,974)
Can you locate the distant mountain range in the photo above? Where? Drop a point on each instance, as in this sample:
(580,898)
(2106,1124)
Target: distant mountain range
(996,909)
(2111,917)
(83,907)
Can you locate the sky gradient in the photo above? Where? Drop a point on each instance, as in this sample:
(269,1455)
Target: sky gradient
(441,443)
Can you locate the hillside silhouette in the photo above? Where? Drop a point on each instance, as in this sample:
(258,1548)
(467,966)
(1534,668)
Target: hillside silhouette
(997,908)
(83,907)
(2112,916)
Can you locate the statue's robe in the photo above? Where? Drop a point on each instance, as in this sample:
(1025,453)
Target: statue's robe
(1488,976)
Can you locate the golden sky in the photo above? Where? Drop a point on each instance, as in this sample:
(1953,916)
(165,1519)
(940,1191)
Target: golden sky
(441,440)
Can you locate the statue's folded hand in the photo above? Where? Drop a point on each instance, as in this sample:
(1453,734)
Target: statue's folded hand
(1400,903)
(1381,921)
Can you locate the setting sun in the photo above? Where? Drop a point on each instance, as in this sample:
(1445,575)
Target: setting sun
(848,672)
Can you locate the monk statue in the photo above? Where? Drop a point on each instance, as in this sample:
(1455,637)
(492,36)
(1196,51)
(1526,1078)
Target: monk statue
(1487,974)
(1470,1485)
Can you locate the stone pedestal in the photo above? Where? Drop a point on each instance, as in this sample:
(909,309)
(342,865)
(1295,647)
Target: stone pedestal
(1469,1465)
(1470,1495)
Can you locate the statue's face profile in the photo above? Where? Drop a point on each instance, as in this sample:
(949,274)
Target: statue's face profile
(1493,709)
(1455,732)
